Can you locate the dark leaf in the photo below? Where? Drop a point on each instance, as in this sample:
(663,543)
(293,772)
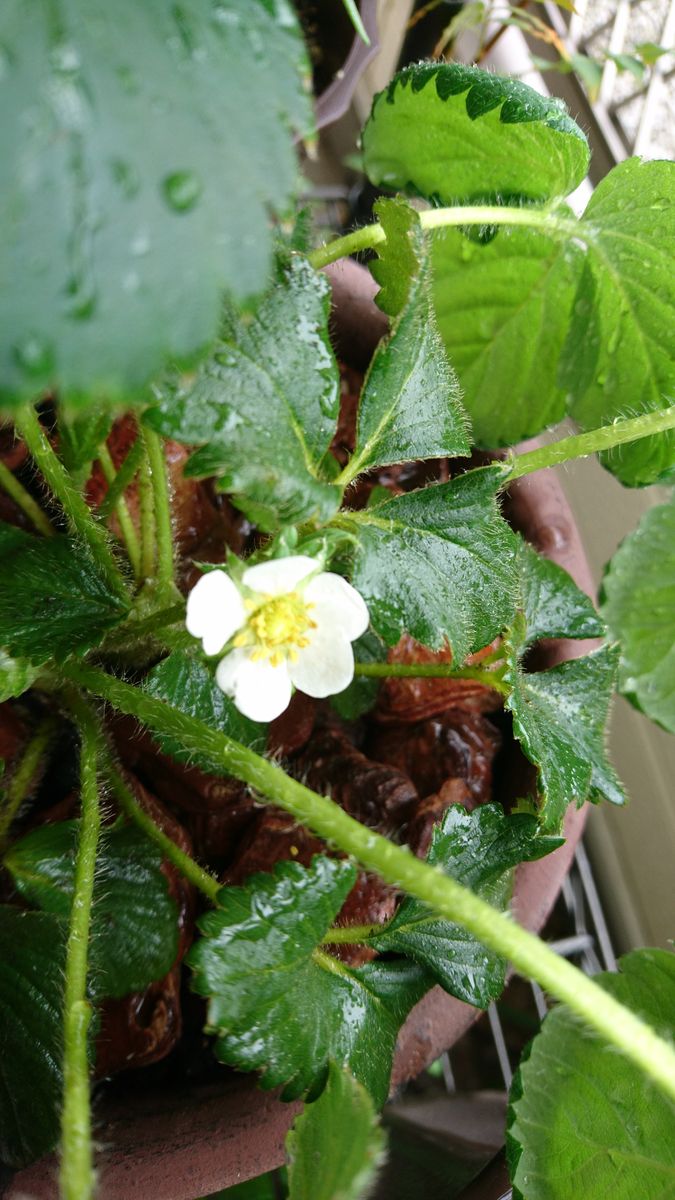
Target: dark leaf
(553,605)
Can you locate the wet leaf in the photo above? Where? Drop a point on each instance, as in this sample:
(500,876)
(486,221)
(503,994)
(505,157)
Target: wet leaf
(280,1004)
(583,1120)
(16,676)
(553,605)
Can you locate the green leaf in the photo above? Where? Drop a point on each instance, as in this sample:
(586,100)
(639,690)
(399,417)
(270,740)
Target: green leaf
(479,850)
(336,1144)
(135,922)
(281,1005)
(80,438)
(361,694)
(503,309)
(649,52)
(619,357)
(559,718)
(409,406)
(438,563)
(16,676)
(638,604)
(263,407)
(400,257)
(52,599)
(554,606)
(456,134)
(32,956)
(628,62)
(144,147)
(584,1121)
(185,682)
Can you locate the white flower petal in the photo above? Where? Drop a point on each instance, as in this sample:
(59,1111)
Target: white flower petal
(279,575)
(215,610)
(337,605)
(325,666)
(259,690)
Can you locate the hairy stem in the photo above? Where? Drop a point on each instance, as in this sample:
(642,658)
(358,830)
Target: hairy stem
(81,521)
(580,445)
(10,484)
(400,868)
(123,477)
(385,670)
(122,511)
(351,934)
(77,1172)
(162,505)
(19,785)
(146,499)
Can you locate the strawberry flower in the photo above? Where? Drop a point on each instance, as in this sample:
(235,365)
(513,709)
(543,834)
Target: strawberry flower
(287,624)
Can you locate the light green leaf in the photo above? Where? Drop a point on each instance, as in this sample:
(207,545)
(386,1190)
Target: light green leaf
(400,257)
(639,606)
(553,605)
(278,1003)
(585,1122)
(336,1144)
(143,149)
(80,437)
(619,358)
(16,676)
(135,922)
(32,955)
(457,134)
(264,406)
(438,563)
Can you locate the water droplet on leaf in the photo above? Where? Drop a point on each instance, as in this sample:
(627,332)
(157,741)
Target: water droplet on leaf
(34,354)
(182,190)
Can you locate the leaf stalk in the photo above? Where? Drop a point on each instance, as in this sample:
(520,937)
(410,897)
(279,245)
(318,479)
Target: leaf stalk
(20,783)
(10,484)
(580,445)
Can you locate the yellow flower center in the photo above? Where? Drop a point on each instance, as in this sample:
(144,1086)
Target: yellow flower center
(277,627)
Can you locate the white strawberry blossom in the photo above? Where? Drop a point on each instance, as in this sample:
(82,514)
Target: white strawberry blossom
(287,624)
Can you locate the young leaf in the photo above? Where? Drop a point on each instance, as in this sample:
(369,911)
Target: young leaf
(80,438)
(559,718)
(409,406)
(503,309)
(553,605)
(457,134)
(32,954)
(52,599)
(479,850)
(639,607)
(135,924)
(586,1122)
(278,1003)
(264,405)
(438,563)
(400,257)
(185,682)
(336,1144)
(16,676)
(619,358)
(144,149)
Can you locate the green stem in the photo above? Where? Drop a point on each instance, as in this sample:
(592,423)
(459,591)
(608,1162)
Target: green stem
(370,236)
(146,498)
(351,934)
(400,868)
(155,622)
(383,670)
(10,484)
(162,505)
(19,785)
(80,519)
(77,1172)
(580,445)
(122,512)
(123,478)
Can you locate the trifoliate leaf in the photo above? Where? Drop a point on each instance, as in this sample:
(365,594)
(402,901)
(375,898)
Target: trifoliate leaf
(457,134)
(553,605)
(32,955)
(639,607)
(278,1003)
(144,147)
(185,682)
(336,1144)
(438,563)
(410,407)
(503,310)
(619,358)
(559,718)
(52,599)
(584,1120)
(400,257)
(16,676)
(361,694)
(135,922)
(264,405)
(479,850)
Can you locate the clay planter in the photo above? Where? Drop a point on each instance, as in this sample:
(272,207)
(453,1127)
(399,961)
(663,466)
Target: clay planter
(178,1146)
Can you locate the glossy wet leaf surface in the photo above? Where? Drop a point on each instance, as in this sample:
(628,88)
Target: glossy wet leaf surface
(16,676)
(32,955)
(143,149)
(479,850)
(264,405)
(583,1120)
(135,921)
(281,1005)
(553,605)
(639,607)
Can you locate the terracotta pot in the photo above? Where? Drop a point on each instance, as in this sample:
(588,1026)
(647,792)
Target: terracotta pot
(179,1146)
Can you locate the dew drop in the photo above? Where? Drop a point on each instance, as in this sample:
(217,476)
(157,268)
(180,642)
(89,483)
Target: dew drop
(34,354)
(182,190)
